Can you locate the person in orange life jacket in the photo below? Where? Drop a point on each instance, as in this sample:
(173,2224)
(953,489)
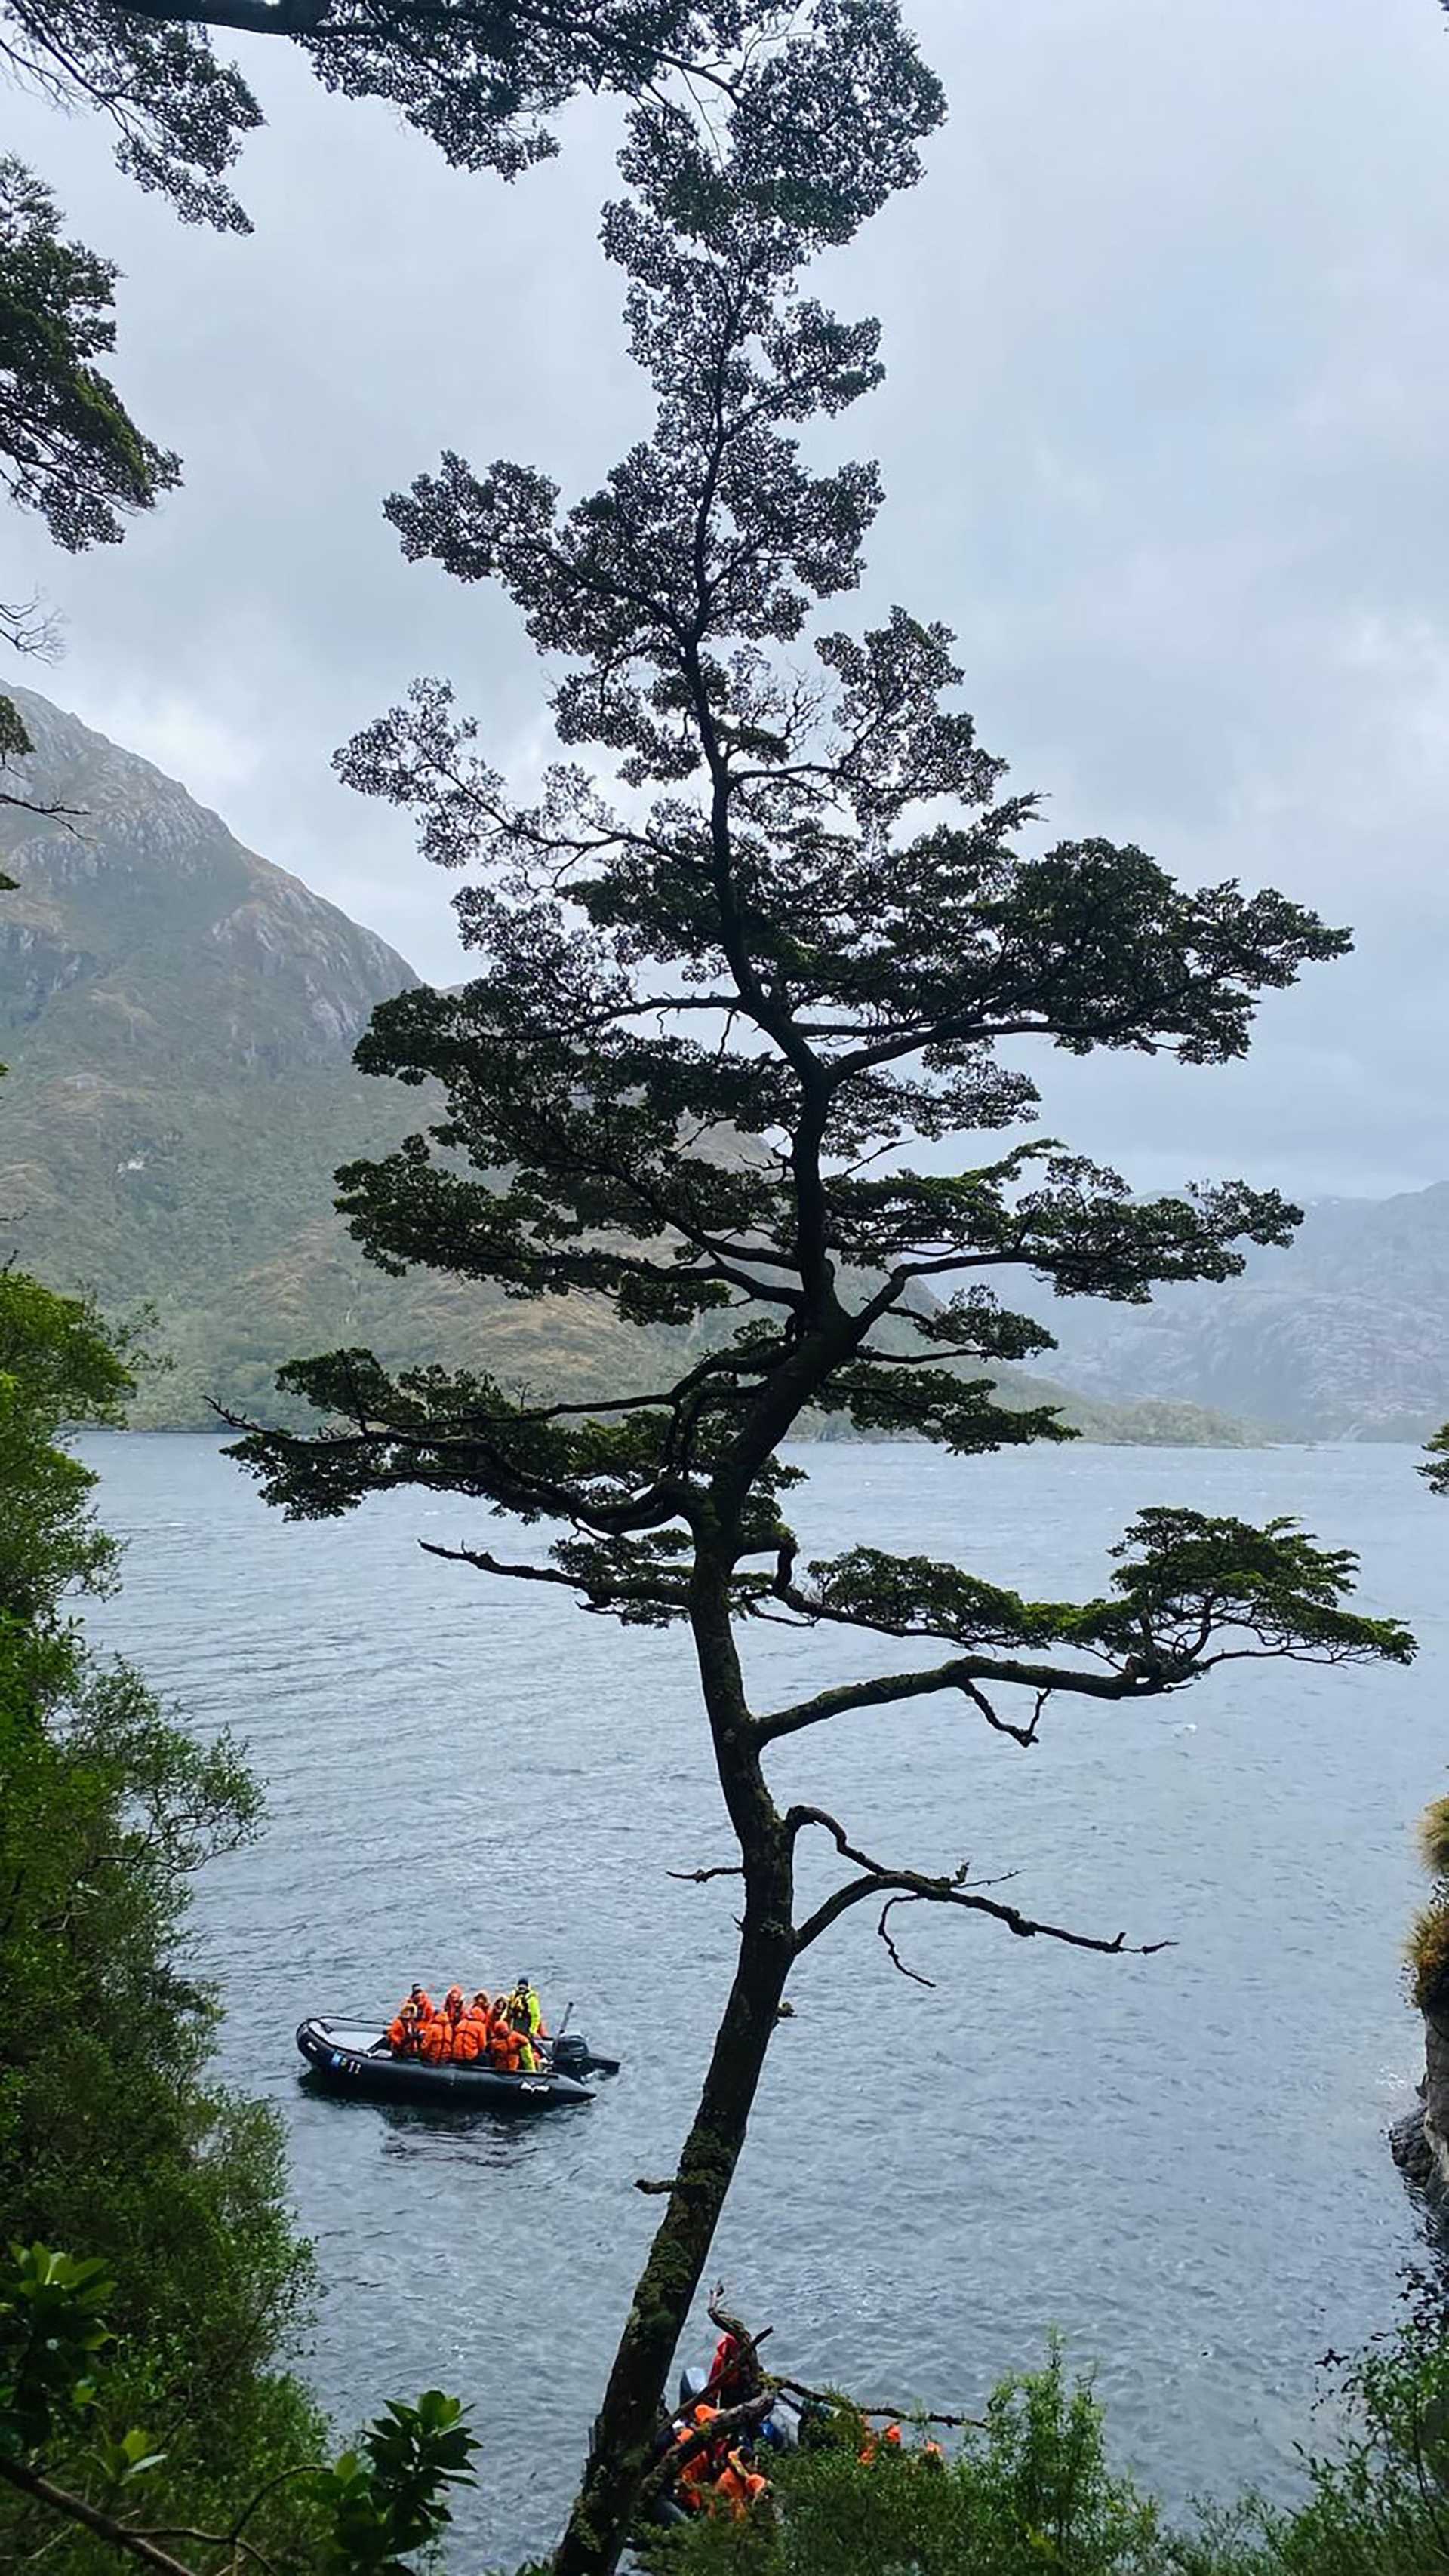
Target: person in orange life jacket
(697,2474)
(733,2375)
(422,2004)
(403,2033)
(510,2050)
(435,2040)
(469,2041)
(739,2485)
(452,2019)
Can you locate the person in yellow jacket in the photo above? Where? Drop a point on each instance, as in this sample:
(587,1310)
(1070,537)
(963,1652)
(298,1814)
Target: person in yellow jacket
(524,2010)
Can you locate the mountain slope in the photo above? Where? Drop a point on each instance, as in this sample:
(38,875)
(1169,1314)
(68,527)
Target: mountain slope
(179,1017)
(1345,1336)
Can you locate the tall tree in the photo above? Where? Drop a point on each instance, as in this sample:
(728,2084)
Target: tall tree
(722,991)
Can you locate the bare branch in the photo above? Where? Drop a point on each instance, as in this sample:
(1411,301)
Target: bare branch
(897,1962)
(892,2414)
(105,2526)
(911,1886)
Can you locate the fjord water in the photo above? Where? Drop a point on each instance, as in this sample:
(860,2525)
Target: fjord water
(1178,2160)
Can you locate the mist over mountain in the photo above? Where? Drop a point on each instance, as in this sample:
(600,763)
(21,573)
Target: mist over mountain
(1343,1337)
(178,1017)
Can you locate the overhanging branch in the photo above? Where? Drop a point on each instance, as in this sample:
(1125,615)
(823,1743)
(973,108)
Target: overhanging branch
(965,1673)
(911,1886)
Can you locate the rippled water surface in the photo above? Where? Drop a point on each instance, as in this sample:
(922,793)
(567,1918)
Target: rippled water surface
(1179,2160)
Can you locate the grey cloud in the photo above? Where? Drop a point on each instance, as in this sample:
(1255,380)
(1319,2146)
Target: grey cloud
(1164,438)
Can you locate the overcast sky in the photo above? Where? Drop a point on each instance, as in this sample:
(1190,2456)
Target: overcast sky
(1165,438)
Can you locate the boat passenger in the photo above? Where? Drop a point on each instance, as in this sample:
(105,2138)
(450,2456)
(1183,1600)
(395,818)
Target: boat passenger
(697,2474)
(524,2009)
(739,2486)
(505,2046)
(435,2040)
(465,2039)
(422,2004)
(734,2375)
(403,2034)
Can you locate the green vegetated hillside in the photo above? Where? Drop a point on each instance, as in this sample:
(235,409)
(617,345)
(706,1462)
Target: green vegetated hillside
(178,1017)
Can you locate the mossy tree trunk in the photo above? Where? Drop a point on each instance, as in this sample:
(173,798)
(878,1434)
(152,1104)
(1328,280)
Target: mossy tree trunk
(624,2429)
(623,2435)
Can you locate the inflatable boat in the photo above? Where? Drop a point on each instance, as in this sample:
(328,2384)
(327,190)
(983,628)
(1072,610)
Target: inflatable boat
(353,2057)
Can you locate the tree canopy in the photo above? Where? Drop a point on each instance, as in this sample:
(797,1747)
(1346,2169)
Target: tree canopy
(69,448)
(731,982)
(485,80)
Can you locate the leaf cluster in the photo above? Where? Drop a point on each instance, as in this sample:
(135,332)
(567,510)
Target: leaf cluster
(390,2496)
(484,83)
(68,447)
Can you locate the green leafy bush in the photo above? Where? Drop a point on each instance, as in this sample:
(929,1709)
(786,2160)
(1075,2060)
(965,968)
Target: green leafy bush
(114,2136)
(1029,2495)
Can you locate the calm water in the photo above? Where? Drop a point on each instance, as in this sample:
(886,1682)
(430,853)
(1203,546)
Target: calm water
(1179,2161)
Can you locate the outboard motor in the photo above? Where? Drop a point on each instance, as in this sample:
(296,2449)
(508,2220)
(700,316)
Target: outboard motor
(571,2054)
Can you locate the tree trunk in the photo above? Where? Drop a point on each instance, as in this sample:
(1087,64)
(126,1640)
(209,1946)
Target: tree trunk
(619,2455)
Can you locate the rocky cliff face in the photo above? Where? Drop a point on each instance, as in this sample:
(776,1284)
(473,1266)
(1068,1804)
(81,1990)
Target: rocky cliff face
(143,917)
(1344,1337)
(1420,2141)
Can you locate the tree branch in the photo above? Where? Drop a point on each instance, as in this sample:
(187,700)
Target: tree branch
(963,1673)
(90,2517)
(910,1886)
(894,2414)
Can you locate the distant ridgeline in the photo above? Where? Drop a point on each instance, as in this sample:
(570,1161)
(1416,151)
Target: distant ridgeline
(178,1017)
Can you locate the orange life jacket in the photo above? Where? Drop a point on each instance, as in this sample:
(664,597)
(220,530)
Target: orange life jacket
(402,2036)
(467,2040)
(434,2040)
(891,2438)
(505,2048)
(696,2473)
(738,2487)
(727,2373)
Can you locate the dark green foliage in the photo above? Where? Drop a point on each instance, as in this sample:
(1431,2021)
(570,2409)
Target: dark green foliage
(112,2134)
(1436,1470)
(390,2495)
(51,2329)
(379,2503)
(1032,2491)
(483,81)
(68,446)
